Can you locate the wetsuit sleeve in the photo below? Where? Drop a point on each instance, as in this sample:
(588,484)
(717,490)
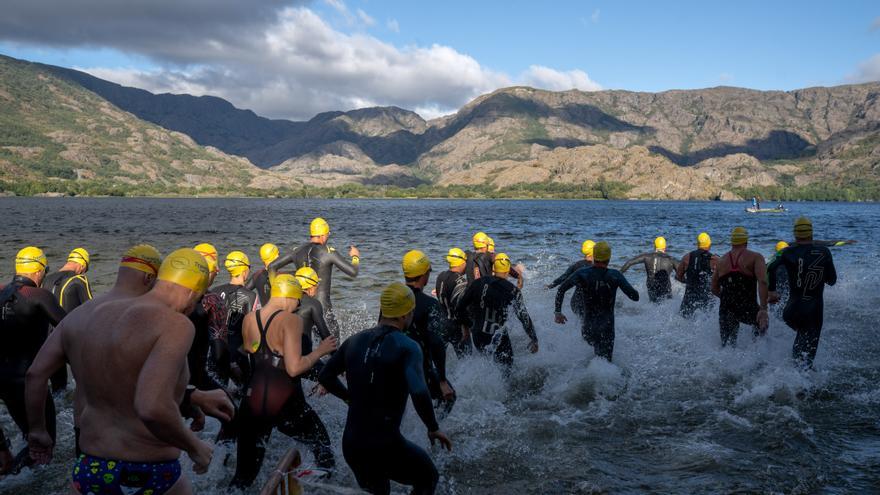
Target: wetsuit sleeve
(317,313)
(462,309)
(250,283)
(830,271)
(627,289)
(346,267)
(418,388)
(281,262)
(519,307)
(54,312)
(771,273)
(562,278)
(638,259)
(329,376)
(563,288)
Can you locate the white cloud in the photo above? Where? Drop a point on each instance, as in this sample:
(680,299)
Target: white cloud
(867,71)
(365,18)
(554,80)
(595,16)
(393,25)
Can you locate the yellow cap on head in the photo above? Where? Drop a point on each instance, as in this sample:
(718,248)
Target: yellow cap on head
(704,241)
(30,260)
(79,256)
(143,258)
(236,263)
(602,252)
(186,268)
(307,277)
(415,264)
(456,257)
(660,243)
(268,253)
(396,300)
(210,254)
(739,236)
(285,285)
(587,247)
(319,227)
(803,228)
(781,245)
(501,264)
(481,240)
(490,245)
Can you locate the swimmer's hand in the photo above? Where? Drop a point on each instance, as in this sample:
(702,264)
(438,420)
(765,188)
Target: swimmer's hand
(533,346)
(448,393)
(439,436)
(198,419)
(214,403)
(560,318)
(763,320)
(319,390)
(547,287)
(327,345)
(434,292)
(353,251)
(772,297)
(201,457)
(40,447)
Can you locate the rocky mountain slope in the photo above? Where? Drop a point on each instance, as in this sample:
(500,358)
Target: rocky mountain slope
(52,129)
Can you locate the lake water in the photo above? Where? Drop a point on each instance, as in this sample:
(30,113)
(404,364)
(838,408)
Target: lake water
(674,413)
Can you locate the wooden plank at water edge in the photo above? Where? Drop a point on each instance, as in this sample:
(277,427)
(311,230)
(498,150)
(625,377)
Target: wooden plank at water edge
(283,479)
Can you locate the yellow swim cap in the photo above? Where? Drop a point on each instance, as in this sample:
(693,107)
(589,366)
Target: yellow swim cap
(490,245)
(481,240)
(803,228)
(602,252)
(236,263)
(285,285)
(143,258)
(30,260)
(739,236)
(319,227)
(268,253)
(587,247)
(456,257)
(781,245)
(186,268)
(501,264)
(660,243)
(210,254)
(307,277)
(415,264)
(704,241)
(396,300)
(79,256)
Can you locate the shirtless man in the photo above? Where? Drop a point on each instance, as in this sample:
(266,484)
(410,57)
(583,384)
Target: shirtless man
(739,280)
(129,359)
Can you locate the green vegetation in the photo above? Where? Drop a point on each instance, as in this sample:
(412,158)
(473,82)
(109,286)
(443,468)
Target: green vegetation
(815,192)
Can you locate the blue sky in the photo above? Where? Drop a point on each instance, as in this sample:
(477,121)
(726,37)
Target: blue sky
(434,56)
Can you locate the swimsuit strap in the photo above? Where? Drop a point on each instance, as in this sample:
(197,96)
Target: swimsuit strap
(734,263)
(264,330)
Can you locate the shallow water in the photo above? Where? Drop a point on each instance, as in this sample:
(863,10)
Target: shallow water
(674,413)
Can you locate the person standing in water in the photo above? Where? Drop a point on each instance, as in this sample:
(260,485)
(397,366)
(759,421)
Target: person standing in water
(479,261)
(383,368)
(485,307)
(450,287)
(577,299)
(316,254)
(740,281)
(810,268)
(598,285)
(659,266)
(259,281)
(238,301)
(210,346)
(695,271)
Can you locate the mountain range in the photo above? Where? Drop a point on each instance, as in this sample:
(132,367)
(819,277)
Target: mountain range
(720,142)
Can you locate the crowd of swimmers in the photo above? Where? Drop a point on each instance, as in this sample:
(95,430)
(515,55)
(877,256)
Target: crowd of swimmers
(165,344)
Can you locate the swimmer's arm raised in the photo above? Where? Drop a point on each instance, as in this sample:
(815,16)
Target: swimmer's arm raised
(626,266)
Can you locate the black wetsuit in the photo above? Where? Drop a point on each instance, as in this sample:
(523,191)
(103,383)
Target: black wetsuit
(259,283)
(322,259)
(274,400)
(382,367)
(698,283)
(809,268)
(426,330)
(659,267)
(26,314)
(312,314)
(483,261)
(484,309)
(71,291)
(450,287)
(239,301)
(577,299)
(210,348)
(599,288)
(738,301)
